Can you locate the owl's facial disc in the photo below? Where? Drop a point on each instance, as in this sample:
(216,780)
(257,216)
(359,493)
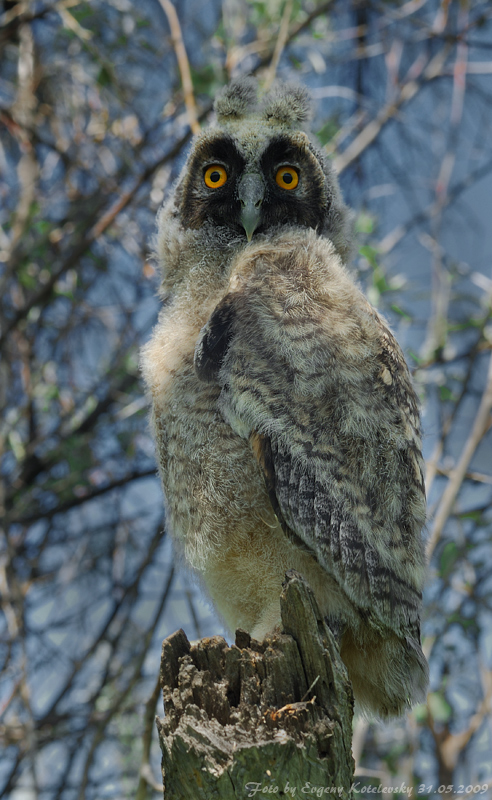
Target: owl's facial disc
(251,187)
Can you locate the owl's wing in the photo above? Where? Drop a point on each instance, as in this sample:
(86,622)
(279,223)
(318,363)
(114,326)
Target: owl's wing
(333,423)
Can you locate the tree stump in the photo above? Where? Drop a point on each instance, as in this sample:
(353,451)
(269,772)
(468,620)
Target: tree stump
(258,718)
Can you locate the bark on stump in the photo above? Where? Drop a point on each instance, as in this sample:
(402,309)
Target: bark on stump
(258,718)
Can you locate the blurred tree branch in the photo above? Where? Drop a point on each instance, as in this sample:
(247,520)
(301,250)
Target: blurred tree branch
(481,425)
(183,63)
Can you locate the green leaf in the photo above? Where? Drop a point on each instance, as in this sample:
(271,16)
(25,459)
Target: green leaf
(370,254)
(327,131)
(439,707)
(463,622)
(400,311)
(28,281)
(42,226)
(379,280)
(420,713)
(104,78)
(364,224)
(445,393)
(415,357)
(448,559)
(472,322)
(476,516)
(207,80)
(81,11)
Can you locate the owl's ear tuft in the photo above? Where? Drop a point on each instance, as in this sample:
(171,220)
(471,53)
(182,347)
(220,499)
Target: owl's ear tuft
(236,99)
(288,103)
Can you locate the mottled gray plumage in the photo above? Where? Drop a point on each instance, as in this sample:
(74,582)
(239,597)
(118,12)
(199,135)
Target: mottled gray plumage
(286,425)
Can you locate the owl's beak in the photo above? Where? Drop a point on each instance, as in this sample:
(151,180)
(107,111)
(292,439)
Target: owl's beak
(251,192)
(250,218)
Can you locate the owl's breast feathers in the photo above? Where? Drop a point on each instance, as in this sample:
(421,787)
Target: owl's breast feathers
(312,376)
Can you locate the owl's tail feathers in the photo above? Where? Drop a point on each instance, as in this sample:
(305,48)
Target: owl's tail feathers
(389,674)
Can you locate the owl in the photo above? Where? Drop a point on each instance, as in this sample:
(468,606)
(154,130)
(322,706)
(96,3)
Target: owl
(286,426)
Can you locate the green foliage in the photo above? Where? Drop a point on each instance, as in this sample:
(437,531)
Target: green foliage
(365,223)
(327,131)
(207,79)
(439,707)
(370,254)
(81,11)
(401,312)
(449,557)
(104,77)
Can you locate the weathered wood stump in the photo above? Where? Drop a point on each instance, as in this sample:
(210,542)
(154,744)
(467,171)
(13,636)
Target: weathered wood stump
(258,718)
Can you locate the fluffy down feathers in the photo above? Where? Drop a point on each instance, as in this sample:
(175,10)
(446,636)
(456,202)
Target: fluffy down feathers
(286,425)
(311,375)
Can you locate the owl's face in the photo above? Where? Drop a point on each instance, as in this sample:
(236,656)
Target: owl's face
(254,183)
(256,171)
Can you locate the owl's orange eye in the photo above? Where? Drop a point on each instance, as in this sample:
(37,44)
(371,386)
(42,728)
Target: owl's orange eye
(215,176)
(287,178)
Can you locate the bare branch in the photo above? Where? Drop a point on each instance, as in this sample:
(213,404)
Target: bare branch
(280,43)
(480,427)
(367,136)
(183,64)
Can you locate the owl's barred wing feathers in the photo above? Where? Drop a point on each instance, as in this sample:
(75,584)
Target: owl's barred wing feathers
(312,376)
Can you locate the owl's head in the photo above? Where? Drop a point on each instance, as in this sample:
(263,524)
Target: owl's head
(258,170)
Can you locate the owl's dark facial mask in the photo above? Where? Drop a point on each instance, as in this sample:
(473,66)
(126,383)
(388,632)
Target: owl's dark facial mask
(305,204)
(282,184)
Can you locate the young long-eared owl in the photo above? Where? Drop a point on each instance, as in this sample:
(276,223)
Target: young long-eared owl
(286,425)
